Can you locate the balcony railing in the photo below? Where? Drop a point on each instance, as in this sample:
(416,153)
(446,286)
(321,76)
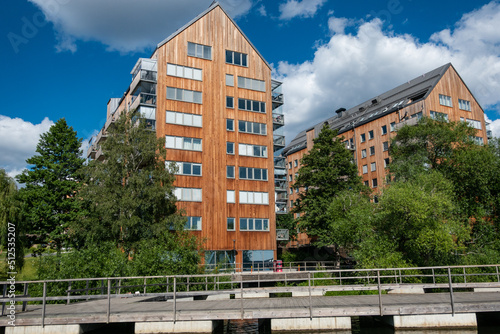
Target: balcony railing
(280,162)
(277,98)
(279,140)
(91,151)
(409,122)
(280,185)
(282,197)
(281,208)
(489,134)
(143,98)
(278,119)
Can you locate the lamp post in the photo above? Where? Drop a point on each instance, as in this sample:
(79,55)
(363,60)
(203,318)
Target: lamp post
(234,254)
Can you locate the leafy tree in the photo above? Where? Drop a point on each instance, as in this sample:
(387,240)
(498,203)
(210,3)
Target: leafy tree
(11,216)
(51,184)
(129,196)
(327,169)
(286,221)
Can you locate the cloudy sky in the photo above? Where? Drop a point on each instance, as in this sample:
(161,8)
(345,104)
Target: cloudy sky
(66,58)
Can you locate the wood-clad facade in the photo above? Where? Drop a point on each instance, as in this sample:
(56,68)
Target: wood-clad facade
(441,94)
(212,195)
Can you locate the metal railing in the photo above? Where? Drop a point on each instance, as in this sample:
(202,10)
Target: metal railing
(290,279)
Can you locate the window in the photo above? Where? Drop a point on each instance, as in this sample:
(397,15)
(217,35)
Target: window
(180,118)
(230,80)
(295,163)
(251,105)
(188,194)
(184,95)
(439,116)
(363,137)
(249,173)
(384,129)
(478,140)
(373,166)
(290,165)
(474,124)
(418,115)
(252,127)
(385,145)
(372,150)
(252,84)
(296,190)
(386,162)
(290,178)
(229,124)
(252,150)
(199,51)
(464,104)
(291,191)
(229,148)
(365,169)
(363,153)
(229,102)
(236,58)
(183,143)
(393,126)
(370,134)
(254,224)
(254,197)
(193,224)
(230,196)
(184,72)
(366,183)
(230,172)
(186,168)
(445,100)
(230,224)
(374,183)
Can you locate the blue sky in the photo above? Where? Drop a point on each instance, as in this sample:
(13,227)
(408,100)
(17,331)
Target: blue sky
(66,58)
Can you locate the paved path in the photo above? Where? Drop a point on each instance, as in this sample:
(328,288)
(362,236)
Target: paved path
(137,309)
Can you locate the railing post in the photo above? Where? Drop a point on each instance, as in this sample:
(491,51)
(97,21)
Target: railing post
(87,288)
(465,276)
(145,285)
(187,284)
(206,283)
(241,295)
(69,292)
(25,294)
(400,277)
(258,279)
(175,298)
(108,310)
(433,277)
(310,296)
(340,276)
(167,284)
(379,294)
(119,286)
(498,276)
(44,301)
(285,280)
(451,293)
(3,295)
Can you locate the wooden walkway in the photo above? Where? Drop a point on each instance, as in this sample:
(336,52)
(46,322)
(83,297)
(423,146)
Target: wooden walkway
(145,309)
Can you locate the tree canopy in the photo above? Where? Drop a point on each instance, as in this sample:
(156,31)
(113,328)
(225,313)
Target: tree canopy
(49,198)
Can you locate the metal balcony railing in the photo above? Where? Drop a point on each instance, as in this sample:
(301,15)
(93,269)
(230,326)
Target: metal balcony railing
(280,185)
(282,197)
(279,140)
(278,119)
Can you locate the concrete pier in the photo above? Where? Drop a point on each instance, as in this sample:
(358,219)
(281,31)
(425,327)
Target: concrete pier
(177,327)
(52,329)
(298,324)
(463,320)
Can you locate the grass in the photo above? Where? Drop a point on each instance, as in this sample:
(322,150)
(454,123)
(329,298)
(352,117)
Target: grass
(353,293)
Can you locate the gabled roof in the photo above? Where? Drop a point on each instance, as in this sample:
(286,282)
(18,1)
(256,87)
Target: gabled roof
(214,5)
(397,98)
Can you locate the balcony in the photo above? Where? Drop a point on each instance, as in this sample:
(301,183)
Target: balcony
(142,99)
(280,185)
(282,234)
(279,162)
(101,136)
(281,208)
(489,134)
(279,142)
(278,121)
(91,152)
(277,99)
(409,122)
(99,156)
(282,197)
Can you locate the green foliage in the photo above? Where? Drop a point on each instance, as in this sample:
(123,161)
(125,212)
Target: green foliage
(11,223)
(49,197)
(286,221)
(129,196)
(327,169)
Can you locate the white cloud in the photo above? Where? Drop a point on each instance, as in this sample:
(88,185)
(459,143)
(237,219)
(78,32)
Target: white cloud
(262,10)
(18,140)
(297,8)
(494,126)
(125,25)
(352,68)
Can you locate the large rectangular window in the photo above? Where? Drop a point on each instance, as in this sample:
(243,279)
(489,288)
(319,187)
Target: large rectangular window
(186,168)
(230,224)
(199,51)
(184,95)
(249,173)
(251,105)
(188,194)
(373,166)
(370,134)
(236,58)
(475,124)
(193,224)
(385,146)
(365,169)
(229,148)
(464,104)
(254,224)
(362,137)
(230,172)
(252,150)
(229,124)
(184,72)
(384,129)
(252,84)
(254,197)
(180,118)
(252,127)
(439,116)
(445,100)
(183,143)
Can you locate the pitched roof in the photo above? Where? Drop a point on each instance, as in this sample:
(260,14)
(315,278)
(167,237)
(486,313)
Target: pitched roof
(406,94)
(214,5)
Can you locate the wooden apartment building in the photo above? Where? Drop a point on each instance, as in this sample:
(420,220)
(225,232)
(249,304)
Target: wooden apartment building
(368,127)
(209,93)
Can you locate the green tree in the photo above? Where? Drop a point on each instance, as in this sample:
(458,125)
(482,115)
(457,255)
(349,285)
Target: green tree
(11,228)
(129,196)
(327,169)
(49,197)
